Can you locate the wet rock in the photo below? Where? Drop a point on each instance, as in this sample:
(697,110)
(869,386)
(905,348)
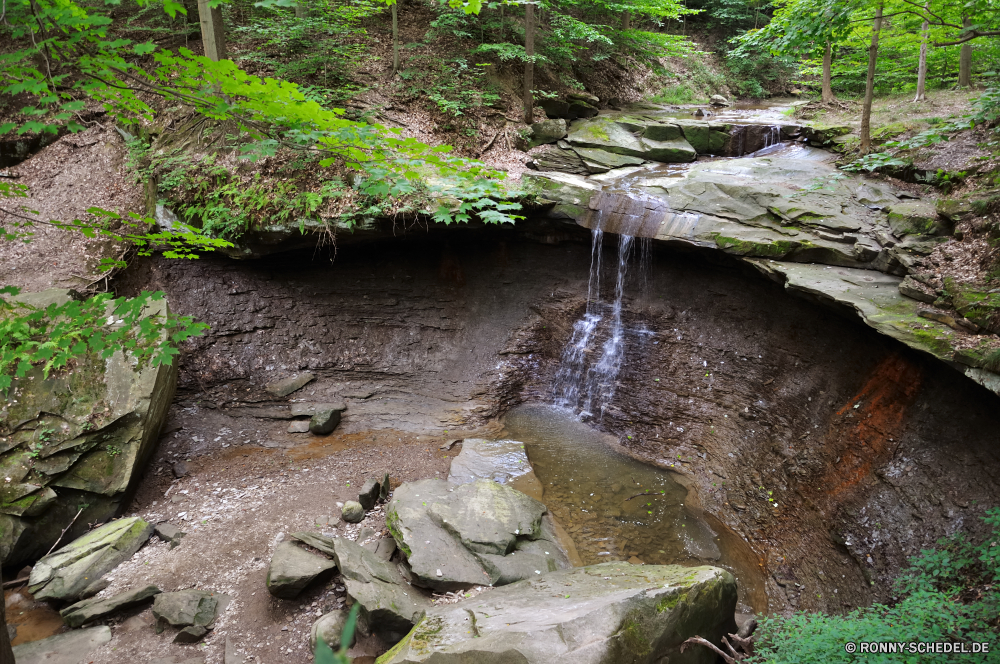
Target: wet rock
(570,193)
(324,422)
(616,612)
(67,573)
(820,134)
(554,158)
(299,426)
(329,629)
(502,461)
(704,138)
(96,609)
(619,138)
(191,634)
(285,386)
(180,469)
(103,419)
(389,606)
(718,100)
(292,569)
(602,161)
(185,607)
(353,512)
(456,538)
(68,648)
(370,493)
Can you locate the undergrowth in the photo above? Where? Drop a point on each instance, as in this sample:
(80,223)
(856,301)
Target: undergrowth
(948,593)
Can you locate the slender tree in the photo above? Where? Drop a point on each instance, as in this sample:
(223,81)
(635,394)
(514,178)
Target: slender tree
(965,58)
(213,31)
(828,95)
(925,34)
(866,111)
(529,62)
(395,38)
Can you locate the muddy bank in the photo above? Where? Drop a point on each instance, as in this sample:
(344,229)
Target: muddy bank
(870,451)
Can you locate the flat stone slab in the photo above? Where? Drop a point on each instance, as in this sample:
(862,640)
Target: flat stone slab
(93,609)
(285,386)
(293,568)
(602,614)
(502,461)
(310,409)
(67,573)
(69,648)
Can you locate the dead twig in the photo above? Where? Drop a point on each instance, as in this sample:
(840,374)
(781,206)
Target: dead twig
(64,531)
(697,640)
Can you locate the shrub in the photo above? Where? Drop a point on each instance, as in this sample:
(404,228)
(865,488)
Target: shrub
(948,593)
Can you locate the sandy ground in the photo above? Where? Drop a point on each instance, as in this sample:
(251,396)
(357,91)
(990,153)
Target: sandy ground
(236,505)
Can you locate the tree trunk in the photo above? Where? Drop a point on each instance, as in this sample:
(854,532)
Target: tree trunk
(922,66)
(529,65)
(301,9)
(395,38)
(213,32)
(866,112)
(6,653)
(965,59)
(828,95)
(626,20)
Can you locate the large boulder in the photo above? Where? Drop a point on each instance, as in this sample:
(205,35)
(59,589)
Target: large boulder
(541,133)
(72,571)
(482,533)
(293,568)
(602,614)
(79,437)
(917,217)
(663,143)
(389,607)
(186,608)
(90,610)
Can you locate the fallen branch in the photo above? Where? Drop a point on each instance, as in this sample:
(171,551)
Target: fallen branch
(64,531)
(708,644)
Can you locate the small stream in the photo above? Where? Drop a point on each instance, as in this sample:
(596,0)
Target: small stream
(616,508)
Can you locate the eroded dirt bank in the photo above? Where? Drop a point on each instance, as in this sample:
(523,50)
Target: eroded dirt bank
(869,450)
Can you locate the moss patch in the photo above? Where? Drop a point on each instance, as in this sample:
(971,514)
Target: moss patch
(776,249)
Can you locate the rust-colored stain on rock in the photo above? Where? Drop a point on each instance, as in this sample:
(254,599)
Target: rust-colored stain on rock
(866,430)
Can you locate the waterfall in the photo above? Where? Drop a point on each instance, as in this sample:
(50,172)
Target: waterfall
(581,383)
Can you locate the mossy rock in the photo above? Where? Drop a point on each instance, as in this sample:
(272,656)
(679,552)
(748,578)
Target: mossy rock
(615,612)
(911,217)
(82,436)
(980,306)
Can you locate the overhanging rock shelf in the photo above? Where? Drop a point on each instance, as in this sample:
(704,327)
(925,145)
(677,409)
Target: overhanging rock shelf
(791,214)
